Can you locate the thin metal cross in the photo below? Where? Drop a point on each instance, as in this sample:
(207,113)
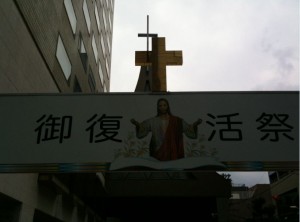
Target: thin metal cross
(147,35)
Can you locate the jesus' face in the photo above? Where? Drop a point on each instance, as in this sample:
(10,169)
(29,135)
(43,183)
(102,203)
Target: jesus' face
(163,107)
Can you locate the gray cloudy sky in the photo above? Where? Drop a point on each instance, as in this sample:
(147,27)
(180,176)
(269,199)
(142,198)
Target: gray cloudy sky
(228,45)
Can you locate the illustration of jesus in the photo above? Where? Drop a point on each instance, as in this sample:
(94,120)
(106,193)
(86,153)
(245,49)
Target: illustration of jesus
(167,132)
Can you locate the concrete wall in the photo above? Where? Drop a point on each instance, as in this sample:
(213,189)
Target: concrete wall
(28,43)
(286,184)
(22,68)
(28,64)
(50,200)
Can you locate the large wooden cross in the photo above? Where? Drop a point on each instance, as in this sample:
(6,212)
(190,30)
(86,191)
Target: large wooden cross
(158,58)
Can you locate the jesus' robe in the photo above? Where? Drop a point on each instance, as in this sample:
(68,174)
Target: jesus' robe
(167,136)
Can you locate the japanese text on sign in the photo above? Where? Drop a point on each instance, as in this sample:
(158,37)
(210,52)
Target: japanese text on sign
(101,128)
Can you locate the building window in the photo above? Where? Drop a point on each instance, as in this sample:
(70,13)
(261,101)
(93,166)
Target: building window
(101,73)
(41,216)
(82,53)
(104,19)
(109,20)
(91,80)
(71,14)
(103,46)
(87,15)
(76,87)
(63,58)
(94,46)
(108,43)
(107,67)
(97,17)
(9,208)
(112,3)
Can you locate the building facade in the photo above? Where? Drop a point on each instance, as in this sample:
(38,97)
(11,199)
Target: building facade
(54,46)
(285,193)
(251,204)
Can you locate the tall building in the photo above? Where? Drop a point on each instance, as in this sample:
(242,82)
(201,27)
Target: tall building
(251,204)
(54,46)
(285,193)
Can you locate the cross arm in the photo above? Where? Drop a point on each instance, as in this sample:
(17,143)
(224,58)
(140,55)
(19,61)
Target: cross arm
(173,58)
(147,35)
(141,58)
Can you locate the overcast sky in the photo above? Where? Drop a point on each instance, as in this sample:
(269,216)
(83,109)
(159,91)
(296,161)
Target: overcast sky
(228,45)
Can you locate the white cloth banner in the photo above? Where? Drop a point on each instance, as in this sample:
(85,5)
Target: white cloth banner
(87,128)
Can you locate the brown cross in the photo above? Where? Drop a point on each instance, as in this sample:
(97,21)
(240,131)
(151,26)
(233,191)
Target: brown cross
(159,59)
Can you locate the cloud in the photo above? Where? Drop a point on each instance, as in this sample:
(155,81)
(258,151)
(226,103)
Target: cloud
(285,61)
(232,45)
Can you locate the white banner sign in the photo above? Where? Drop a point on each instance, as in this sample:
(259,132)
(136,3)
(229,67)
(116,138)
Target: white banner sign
(213,128)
